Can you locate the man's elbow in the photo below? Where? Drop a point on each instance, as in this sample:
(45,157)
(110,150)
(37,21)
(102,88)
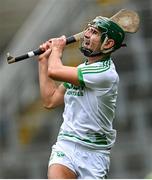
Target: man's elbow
(48,105)
(52,73)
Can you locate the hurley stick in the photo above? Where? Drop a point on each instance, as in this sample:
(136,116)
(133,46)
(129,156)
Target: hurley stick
(128,20)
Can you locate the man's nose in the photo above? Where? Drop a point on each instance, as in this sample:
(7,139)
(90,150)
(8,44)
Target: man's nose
(87,34)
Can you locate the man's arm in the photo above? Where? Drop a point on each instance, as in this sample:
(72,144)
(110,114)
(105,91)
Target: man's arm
(52,95)
(56,69)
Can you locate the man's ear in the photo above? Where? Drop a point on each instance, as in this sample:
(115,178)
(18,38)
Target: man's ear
(109,44)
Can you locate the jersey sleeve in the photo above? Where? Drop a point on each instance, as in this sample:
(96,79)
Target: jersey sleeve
(97,77)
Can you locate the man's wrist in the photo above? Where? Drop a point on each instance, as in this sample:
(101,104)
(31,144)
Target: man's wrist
(57,52)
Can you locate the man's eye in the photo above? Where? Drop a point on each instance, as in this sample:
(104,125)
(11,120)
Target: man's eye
(94,32)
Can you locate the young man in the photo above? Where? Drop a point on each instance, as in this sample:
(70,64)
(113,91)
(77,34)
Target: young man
(89,93)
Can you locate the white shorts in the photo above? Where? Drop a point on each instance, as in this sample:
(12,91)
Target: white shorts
(84,162)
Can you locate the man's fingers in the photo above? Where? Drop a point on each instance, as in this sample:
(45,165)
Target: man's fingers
(42,48)
(45,46)
(45,54)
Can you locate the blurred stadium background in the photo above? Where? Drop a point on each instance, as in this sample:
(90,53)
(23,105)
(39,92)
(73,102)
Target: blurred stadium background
(27,130)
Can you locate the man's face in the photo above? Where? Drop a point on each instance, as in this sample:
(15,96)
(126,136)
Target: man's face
(92,39)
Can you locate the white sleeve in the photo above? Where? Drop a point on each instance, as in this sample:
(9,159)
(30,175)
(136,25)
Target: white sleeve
(97,77)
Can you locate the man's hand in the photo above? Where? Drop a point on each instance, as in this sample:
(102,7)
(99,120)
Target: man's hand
(47,48)
(58,43)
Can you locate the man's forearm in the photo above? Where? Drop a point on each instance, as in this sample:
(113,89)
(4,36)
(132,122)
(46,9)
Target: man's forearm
(47,85)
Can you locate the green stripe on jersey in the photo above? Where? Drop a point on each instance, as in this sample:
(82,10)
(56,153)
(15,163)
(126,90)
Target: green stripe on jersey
(96,69)
(92,69)
(101,66)
(66,85)
(99,141)
(80,77)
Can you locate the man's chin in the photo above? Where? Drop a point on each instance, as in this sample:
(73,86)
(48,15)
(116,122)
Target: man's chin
(86,47)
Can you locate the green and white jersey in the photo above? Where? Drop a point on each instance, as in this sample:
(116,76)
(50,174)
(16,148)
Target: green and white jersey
(90,108)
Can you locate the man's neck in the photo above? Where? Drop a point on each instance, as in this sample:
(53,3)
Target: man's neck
(97,58)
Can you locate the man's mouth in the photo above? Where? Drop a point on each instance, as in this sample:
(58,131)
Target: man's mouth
(86,42)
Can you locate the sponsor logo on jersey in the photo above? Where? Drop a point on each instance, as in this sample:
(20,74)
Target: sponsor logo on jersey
(74,90)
